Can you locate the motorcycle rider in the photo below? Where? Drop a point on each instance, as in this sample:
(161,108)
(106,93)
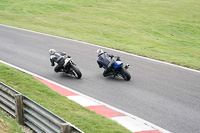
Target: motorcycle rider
(106,61)
(57,57)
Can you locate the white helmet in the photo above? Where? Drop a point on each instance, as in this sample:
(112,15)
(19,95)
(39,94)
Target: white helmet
(52,51)
(99,52)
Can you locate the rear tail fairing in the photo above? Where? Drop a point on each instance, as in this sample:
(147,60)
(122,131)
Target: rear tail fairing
(117,68)
(117,64)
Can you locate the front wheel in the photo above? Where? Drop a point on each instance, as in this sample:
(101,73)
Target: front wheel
(76,72)
(125,74)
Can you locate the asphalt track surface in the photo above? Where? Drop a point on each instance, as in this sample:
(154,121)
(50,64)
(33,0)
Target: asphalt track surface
(163,94)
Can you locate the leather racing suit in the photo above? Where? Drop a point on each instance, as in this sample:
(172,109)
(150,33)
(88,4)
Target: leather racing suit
(58,57)
(107,61)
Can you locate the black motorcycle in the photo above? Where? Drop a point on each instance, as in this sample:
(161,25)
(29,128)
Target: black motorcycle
(70,68)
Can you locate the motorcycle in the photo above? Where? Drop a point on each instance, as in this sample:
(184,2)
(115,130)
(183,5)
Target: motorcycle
(120,70)
(70,68)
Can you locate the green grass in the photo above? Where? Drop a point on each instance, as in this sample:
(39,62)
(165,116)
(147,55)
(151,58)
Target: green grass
(86,120)
(167,30)
(8,124)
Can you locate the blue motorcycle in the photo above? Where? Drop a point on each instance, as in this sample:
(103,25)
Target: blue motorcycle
(120,70)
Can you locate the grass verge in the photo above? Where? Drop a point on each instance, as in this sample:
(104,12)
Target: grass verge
(84,119)
(165,30)
(8,124)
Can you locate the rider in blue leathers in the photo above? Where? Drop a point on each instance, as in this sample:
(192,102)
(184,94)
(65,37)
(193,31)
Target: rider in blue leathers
(106,61)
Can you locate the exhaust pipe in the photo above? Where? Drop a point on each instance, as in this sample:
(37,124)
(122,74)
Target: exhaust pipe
(127,66)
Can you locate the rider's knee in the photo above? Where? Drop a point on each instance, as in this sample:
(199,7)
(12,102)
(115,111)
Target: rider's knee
(56,70)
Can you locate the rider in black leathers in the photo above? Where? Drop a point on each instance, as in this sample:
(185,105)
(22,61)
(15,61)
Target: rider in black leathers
(106,61)
(57,57)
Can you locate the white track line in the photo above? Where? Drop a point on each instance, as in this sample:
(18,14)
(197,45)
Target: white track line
(104,48)
(94,101)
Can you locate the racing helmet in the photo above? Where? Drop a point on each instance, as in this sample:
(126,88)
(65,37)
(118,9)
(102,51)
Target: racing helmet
(99,52)
(52,51)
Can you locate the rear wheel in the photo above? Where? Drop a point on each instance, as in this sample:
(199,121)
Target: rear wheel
(76,72)
(125,74)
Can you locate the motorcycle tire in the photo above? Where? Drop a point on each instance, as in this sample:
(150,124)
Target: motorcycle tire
(125,74)
(76,72)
